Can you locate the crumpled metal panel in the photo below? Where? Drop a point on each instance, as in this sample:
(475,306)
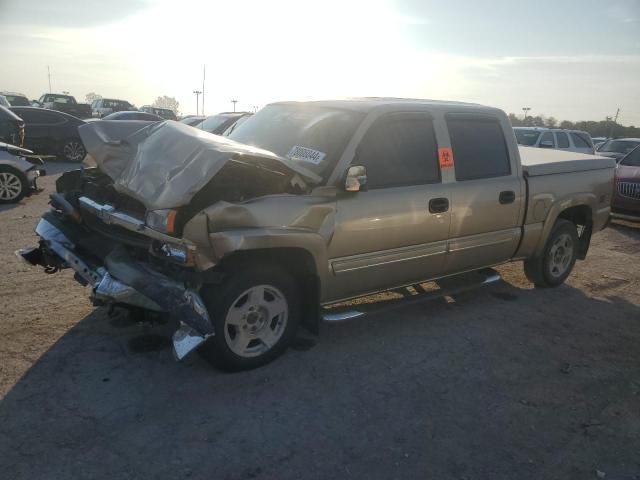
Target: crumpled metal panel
(113,290)
(165,164)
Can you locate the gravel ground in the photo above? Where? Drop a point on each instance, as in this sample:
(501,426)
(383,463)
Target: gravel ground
(504,382)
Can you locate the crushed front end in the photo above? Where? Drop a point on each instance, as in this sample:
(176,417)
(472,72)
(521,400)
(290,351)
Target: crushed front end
(102,236)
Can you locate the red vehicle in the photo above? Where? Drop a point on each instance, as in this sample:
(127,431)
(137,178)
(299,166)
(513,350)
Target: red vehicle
(626,199)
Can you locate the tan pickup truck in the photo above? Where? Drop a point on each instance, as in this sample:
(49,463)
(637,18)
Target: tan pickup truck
(243,239)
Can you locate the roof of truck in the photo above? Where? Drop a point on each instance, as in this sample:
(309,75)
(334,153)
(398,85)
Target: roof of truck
(365,104)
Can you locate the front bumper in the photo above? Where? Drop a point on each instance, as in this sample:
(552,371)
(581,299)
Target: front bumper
(123,280)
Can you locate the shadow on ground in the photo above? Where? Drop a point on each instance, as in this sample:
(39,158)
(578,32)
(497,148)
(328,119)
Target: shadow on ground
(497,383)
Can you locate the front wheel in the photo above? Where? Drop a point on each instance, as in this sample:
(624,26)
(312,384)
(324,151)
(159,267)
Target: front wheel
(558,257)
(73,150)
(13,185)
(255,313)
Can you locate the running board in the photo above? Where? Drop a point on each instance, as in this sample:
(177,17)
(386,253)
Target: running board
(448,286)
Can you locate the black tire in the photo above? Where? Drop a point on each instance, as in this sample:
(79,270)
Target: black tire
(10,177)
(221,298)
(72,150)
(543,271)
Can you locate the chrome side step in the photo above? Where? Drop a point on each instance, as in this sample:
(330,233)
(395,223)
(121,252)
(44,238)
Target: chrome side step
(448,286)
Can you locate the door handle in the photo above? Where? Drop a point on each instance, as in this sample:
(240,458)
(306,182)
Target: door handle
(438,205)
(507,197)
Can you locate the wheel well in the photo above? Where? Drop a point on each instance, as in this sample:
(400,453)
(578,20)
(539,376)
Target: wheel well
(296,261)
(581,216)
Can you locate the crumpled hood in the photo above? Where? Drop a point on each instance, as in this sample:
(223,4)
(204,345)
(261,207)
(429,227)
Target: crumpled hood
(163,165)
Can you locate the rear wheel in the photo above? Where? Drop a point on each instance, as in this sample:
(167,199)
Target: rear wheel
(255,313)
(73,150)
(13,185)
(558,257)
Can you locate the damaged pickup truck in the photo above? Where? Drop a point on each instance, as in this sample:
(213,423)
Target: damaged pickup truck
(242,239)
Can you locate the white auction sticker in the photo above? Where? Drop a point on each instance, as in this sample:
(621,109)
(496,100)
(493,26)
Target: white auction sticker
(305,154)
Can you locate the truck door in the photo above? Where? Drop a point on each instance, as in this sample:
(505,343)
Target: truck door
(394,233)
(487,197)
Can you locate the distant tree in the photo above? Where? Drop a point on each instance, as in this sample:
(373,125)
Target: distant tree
(515,121)
(91,96)
(167,102)
(601,128)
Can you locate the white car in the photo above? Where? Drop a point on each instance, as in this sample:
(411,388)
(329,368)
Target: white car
(569,140)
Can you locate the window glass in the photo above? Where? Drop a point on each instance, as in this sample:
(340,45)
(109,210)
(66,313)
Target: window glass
(479,148)
(39,116)
(579,141)
(311,136)
(563,140)
(547,137)
(633,159)
(18,101)
(618,146)
(526,137)
(400,150)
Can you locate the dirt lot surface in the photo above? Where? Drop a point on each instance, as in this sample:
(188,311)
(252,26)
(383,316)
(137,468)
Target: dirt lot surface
(504,382)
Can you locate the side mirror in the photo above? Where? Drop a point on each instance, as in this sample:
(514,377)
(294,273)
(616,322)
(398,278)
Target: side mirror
(546,144)
(356,179)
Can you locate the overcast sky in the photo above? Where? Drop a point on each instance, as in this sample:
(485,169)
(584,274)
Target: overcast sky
(570,59)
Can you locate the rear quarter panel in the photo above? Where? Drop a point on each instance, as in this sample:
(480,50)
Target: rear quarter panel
(549,195)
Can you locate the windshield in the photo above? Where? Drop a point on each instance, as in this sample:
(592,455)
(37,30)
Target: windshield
(310,135)
(60,99)
(526,137)
(211,124)
(230,129)
(618,146)
(18,101)
(633,159)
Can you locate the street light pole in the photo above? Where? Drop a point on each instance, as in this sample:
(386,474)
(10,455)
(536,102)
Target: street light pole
(525,110)
(198,92)
(234,104)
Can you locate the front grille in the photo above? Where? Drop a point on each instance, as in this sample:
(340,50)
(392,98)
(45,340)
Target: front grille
(630,190)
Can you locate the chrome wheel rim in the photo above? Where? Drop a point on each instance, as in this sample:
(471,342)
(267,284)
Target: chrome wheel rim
(560,255)
(256,320)
(73,151)
(10,186)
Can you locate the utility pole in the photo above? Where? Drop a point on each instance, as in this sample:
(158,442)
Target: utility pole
(197,92)
(615,120)
(234,104)
(204,71)
(49,76)
(525,110)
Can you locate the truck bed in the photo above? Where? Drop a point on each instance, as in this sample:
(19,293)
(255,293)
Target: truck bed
(541,161)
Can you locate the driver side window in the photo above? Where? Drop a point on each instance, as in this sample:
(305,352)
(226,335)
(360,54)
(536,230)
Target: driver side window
(400,150)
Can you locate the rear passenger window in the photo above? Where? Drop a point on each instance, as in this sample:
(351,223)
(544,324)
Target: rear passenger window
(400,149)
(563,140)
(578,141)
(479,148)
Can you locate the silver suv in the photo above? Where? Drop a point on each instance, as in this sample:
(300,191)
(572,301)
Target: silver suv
(569,140)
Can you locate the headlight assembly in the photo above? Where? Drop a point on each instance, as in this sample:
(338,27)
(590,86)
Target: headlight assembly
(162,220)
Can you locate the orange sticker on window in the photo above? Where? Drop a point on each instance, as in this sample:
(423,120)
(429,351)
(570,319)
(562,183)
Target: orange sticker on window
(445,157)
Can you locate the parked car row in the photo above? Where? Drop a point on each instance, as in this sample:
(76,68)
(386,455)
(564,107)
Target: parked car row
(568,140)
